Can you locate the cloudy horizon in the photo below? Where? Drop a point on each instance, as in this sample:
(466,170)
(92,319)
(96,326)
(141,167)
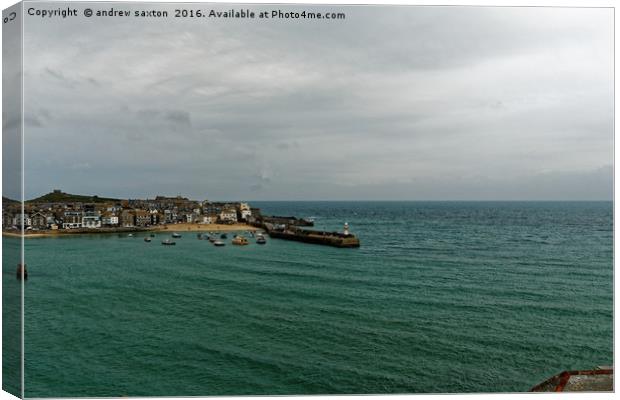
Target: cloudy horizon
(393,103)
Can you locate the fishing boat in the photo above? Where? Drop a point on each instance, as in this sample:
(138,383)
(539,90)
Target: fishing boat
(168,242)
(261,239)
(211,239)
(176,235)
(240,241)
(219,243)
(147,239)
(223,236)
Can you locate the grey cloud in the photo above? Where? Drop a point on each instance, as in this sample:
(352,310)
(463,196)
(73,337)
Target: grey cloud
(287,145)
(45,113)
(147,114)
(257,187)
(71,82)
(31,120)
(81,166)
(415,102)
(55,74)
(178,117)
(11,122)
(262,181)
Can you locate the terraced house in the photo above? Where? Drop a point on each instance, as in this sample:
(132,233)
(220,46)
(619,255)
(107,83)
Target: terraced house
(58,210)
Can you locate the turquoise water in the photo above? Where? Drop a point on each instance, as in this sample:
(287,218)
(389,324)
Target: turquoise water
(11,317)
(441,297)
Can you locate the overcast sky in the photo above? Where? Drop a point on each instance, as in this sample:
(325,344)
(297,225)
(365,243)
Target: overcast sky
(394,103)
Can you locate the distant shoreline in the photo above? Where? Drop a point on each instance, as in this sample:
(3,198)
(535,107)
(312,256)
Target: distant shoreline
(183,227)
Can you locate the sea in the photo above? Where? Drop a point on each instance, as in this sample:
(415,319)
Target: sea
(441,297)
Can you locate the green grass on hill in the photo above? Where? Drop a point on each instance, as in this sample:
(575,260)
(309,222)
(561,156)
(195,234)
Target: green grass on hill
(60,197)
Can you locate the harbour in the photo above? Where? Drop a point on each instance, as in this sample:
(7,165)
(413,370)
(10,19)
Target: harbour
(59,213)
(435,288)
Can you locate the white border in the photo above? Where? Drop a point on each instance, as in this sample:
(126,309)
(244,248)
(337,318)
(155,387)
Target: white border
(542,3)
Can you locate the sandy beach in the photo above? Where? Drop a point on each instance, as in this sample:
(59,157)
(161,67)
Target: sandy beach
(183,227)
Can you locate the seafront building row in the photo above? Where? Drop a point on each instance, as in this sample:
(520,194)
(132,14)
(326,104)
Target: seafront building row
(64,213)
(162,210)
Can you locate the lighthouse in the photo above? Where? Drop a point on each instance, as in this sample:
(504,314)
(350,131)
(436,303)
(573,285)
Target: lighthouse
(346,228)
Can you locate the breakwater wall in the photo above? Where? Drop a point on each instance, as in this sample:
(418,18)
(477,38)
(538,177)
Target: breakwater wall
(334,239)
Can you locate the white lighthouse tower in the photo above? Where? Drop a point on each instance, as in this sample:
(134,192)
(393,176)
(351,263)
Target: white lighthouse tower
(346,228)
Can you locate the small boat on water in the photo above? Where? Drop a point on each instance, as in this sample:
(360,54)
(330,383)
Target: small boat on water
(130,235)
(261,240)
(200,236)
(219,243)
(147,239)
(168,242)
(211,239)
(223,236)
(176,235)
(240,241)
(152,235)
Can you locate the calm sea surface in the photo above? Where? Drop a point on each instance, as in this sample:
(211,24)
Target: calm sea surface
(441,297)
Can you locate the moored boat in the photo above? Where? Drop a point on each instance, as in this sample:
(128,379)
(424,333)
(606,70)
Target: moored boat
(147,239)
(261,240)
(168,242)
(240,241)
(176,235)
(219,243)
(223,236)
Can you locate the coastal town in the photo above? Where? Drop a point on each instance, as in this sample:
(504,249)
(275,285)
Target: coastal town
(63,212)
(59,213)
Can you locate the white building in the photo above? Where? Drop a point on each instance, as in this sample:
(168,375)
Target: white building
(245,211)
(91,219)
(228,215)
(22,220)
(209,219)
(155,217)
(109,220)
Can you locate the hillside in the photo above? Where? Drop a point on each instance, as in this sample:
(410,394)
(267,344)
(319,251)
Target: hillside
(7,202)
(61,197)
